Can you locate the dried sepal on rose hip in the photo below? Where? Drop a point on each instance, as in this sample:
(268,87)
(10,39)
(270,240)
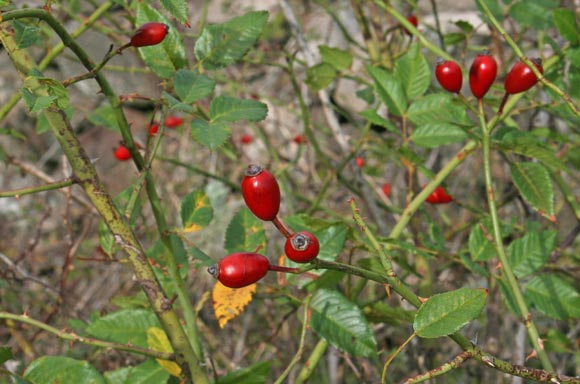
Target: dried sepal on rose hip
(302,247)
(240,269)
(482,74)
(261,192)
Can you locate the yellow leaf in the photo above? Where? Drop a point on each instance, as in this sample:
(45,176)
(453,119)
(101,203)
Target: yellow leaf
(229,303)
(157,340)
(192,228)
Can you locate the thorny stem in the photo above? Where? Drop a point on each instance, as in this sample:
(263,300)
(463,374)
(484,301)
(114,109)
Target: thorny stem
(188,349)
(88,340)
(445,368)
(498,242)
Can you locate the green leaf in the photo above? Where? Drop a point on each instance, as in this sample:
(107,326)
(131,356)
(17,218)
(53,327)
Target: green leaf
(554,296)
(341,323)
(5,354)
(196,211)
(320,76)
(254,374)
(414,71)
(60,369)
(339,59)
(534,184)
(390,90)
(147,372)
(124,326)
(212,135)
(565,20)
(245,233)
(158,252)
(106,239)
(531,252)
(177,9)
(526,144)
(168,56)
(190,86)
(104,116)
(380,312)
(373,117)
(446,313)
(433,135)
(480,247)
(224,44)
(200,258)
(532,13)
(25,35)
(440,108)
(508,297)
(230,109)
(35,103)
(118,376)
(174,104)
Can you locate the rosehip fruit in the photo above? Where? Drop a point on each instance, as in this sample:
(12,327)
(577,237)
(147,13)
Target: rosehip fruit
(439,196)
(386,187)
(240,269)
(261,193)
(246,139)
(482,74)
(414,21)
(173,121)
(122,153)
(521,78)
(153,129)
(302,247)
(299,139)
(360,161)
(449,75)
(151,33)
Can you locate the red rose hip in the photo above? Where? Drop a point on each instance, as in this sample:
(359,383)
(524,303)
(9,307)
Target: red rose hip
(302,247)
(439,196)
(414,22)
(173,121)
(449,75)
(122,153)
(482,74)
(240,269)
(151,33)
(261,192)
(521,78)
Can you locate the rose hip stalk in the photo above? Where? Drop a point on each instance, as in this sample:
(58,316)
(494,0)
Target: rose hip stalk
(240,269)
(261,193)
(519,79)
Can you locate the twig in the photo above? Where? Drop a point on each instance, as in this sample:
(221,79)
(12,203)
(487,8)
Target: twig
(88,340)
(309,56)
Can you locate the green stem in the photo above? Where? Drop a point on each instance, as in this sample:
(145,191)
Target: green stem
(312,362)
(410,210)
(42,188)
(445,368)
(298,354)
(87,340)
(498,240)
(411,28)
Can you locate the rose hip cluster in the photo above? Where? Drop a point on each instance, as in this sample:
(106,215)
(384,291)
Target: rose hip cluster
(261,194)
(482,75)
